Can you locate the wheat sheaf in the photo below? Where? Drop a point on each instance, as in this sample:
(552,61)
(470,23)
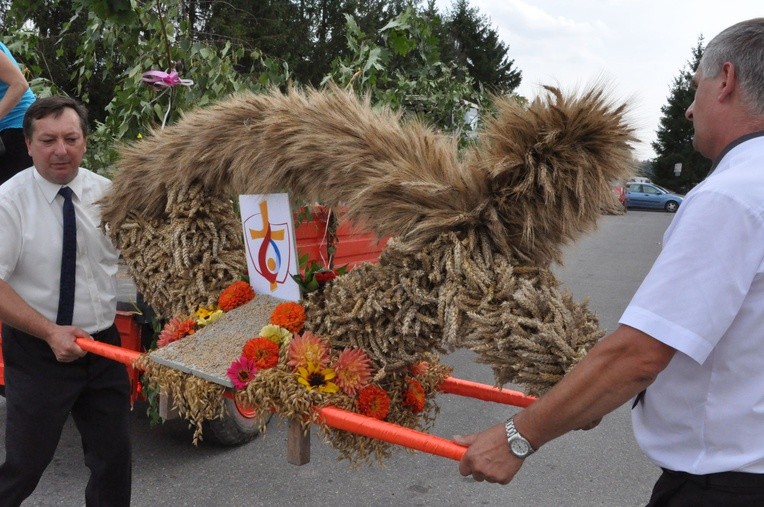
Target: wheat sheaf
(474,236)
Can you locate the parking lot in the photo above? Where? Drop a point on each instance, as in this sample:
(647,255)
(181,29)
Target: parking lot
(599,467)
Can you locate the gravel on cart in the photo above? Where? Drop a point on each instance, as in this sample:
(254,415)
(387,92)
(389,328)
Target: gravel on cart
(210,350)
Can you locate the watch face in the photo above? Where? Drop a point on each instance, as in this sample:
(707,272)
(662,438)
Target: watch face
(520,447)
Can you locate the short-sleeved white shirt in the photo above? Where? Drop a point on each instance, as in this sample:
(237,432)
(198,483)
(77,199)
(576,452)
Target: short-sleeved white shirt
(705,297)
(31,236)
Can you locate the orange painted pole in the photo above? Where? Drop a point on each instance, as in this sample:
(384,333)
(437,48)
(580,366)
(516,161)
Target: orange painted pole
(392,433)
(113,352)
(452,385)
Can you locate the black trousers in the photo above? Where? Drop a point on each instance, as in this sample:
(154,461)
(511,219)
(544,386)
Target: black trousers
(726,489)
(40,394)
(16,157)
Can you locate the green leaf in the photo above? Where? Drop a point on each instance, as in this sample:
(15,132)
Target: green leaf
(352,26)
(395,23)
(372,60)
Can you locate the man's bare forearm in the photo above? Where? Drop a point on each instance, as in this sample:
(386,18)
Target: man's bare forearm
(614,371)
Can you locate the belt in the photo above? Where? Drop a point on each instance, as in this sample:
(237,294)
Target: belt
(722,479)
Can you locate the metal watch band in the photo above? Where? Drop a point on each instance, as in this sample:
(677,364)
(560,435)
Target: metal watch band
(518,445)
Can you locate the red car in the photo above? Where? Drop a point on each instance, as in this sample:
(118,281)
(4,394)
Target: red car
(620,193)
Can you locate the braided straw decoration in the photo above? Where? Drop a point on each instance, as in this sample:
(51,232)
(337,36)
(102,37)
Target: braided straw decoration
(457,292)
(187,259)
(196,399)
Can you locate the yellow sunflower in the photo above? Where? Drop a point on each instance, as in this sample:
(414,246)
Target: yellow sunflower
(313,376)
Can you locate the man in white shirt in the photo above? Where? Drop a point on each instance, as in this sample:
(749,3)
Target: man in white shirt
(690,345)
(50,294)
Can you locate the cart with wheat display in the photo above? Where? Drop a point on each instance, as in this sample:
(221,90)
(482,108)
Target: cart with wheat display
(472,239)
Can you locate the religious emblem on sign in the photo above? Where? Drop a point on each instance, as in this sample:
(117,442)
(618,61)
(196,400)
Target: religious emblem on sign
(270,244)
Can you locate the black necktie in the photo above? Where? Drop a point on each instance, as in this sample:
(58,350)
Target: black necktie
(68,261)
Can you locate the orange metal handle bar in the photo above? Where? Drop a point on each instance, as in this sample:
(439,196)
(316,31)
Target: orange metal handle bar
(392,433)
(425,442)
(113,352)
(452,385)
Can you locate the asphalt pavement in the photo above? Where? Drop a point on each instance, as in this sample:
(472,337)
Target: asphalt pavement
(602,467)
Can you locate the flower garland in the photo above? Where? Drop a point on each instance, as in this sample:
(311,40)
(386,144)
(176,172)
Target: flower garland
(291,371)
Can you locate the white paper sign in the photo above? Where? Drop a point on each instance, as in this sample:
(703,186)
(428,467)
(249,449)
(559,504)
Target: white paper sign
(270,245)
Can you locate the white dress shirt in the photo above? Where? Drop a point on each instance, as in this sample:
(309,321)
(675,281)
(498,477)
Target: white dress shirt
(31,236)
(705,297)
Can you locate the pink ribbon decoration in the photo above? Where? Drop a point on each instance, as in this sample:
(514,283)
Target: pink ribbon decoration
(160,80)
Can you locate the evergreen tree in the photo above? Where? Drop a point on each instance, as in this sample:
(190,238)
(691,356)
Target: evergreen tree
(471,42)
(674,141)
(273,27)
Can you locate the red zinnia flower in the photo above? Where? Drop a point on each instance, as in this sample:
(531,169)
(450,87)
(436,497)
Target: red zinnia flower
(373,401)
(235,295)
(413,396)
(324,276)
(289,315)
(262,351)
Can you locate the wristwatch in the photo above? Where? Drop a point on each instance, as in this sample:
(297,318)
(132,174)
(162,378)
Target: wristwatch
(518,445)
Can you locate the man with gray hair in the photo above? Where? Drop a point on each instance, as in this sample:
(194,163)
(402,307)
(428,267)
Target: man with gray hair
(690,346)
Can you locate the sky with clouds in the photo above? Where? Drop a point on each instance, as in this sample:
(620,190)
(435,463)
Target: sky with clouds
(636,47)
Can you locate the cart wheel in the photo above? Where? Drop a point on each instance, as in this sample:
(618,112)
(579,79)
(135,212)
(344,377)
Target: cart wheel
(238,425)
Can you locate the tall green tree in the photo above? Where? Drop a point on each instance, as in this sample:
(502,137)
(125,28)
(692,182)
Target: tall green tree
(306,34)
(471,41)
(674,136)
(400,66)
(272,27)
(326,21)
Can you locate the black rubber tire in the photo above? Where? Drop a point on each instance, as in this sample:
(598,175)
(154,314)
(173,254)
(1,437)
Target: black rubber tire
(671,206)
(233,428)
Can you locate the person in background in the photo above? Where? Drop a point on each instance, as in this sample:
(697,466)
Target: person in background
(15,98)
(690,345)
(58,283)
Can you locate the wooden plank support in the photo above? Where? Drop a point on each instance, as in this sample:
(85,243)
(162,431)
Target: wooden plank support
(167,408)
(298,443)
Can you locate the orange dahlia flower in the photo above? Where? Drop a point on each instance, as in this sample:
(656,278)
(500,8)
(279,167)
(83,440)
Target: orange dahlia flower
(306,349)
(419,368)
(235,295)
(174,330)
(353,369)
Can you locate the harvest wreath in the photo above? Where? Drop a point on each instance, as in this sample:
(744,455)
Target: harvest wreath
(473,236)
